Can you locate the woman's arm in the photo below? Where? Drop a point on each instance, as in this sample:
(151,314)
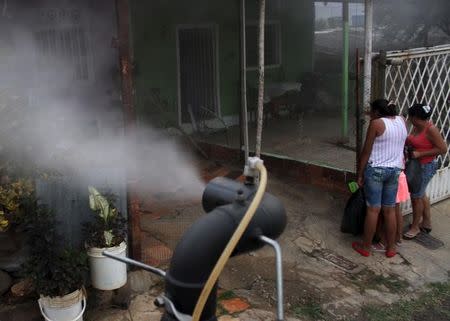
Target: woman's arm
(375,129)
(439,145)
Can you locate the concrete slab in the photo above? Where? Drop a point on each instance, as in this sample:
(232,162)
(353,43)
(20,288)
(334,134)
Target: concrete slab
(309,137)
(314,220)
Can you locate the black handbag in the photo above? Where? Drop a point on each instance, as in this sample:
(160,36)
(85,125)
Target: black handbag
(354,213)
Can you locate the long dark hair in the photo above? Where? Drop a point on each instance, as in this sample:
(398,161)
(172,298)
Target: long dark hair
(384,108)
(421,111)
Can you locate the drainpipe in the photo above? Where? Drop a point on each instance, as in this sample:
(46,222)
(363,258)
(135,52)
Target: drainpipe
(345,54)
(129,112)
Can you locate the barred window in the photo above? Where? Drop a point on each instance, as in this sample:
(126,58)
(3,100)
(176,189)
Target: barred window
(62,51)
(272,47)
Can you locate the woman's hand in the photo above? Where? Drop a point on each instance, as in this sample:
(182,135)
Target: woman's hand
(360,181)
(416,154)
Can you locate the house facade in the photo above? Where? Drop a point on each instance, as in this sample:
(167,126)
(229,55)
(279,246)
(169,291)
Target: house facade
(189,54)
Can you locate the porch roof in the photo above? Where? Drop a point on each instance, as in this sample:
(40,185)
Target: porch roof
(349,1)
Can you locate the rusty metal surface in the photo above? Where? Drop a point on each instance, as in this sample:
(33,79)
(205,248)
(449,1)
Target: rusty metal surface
(418,52)
(338,261)
(125,63)
(129,112)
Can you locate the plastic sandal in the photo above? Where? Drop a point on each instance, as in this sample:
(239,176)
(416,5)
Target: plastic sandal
(391,253)
(409,236)
(378,247)
(358,247)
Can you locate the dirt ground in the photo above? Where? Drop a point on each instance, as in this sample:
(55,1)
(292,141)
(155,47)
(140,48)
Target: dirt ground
(315,286)
(253,275)
(324,279)
(441,314)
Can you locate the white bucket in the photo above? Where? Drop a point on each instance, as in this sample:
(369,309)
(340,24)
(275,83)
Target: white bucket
(106,273)
(66,308)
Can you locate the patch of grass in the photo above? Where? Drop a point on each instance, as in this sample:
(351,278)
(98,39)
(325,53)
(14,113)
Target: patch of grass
(401,311)
(440,289)
(220,311)
(367,279)
(393,283)
(312,311)
(226,295)
(406,310)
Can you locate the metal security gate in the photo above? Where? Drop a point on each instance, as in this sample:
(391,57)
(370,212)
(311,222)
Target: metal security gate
(421,75)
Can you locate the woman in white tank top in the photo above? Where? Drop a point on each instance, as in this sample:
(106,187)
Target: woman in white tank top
(380,164)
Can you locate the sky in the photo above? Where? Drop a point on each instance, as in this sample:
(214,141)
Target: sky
(332,9)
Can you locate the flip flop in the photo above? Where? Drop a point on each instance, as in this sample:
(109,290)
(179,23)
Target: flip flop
(409,236)
(358,247)
(378,247)
(423,229)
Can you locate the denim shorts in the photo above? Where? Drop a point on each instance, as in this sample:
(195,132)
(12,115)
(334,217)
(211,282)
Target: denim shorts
(428,171)
(380,186)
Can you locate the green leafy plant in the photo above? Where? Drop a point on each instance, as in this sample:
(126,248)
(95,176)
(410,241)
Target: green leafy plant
(311,310)
(55,270)
(14,195)
(433,304)
(109,227)
(226,295)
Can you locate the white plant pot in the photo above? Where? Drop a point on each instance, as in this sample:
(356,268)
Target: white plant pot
(106,273)
(63,308)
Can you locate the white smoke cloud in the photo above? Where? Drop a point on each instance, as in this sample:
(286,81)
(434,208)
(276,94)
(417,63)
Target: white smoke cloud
(53,120)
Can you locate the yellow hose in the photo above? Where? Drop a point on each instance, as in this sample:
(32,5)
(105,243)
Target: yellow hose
(232,243)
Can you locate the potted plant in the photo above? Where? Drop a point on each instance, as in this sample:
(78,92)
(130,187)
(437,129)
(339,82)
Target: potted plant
(107,232)
(57,272)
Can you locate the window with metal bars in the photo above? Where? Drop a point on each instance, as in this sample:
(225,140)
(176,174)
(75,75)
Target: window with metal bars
(62,52)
